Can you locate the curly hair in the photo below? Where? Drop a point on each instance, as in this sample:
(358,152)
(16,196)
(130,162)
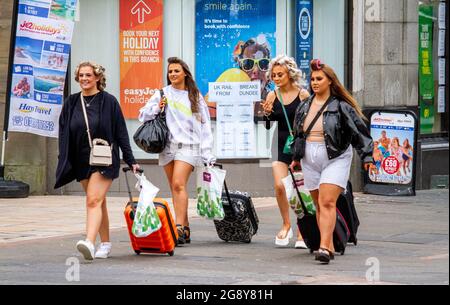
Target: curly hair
(99,71)
(295,74)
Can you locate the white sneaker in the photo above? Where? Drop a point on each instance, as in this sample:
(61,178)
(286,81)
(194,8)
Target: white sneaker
(300,244)
(103,250)
(86,248)
(284,241)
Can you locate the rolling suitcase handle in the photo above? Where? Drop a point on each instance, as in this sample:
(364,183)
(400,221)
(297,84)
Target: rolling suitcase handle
(125,170)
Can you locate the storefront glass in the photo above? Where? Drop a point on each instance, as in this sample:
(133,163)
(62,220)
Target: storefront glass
(97,38)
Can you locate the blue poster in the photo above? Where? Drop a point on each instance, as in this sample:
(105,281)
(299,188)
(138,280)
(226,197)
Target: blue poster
(235,41)
(41,57)
(304,36)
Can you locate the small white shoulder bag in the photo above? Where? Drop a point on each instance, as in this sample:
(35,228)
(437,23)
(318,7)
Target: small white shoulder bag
(101,151)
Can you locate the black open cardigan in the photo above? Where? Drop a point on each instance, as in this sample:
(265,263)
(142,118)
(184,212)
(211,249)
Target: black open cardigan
(112,128)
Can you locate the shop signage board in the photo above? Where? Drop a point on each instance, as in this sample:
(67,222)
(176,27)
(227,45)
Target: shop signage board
(40,58)
(304,36)
(235,42)
(394,133)
(426,69)
(141,53)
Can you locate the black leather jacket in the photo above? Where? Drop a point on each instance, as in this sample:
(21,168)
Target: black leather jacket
(342,126)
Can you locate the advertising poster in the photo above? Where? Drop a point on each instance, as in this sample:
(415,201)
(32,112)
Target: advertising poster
(235,41)
(394,139)
(141,53)
(41,55)
(426,74)
(304,37)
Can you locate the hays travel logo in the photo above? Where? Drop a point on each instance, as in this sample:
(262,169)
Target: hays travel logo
(25,108)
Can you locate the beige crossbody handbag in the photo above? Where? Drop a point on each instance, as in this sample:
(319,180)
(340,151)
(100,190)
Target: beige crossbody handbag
(101,151)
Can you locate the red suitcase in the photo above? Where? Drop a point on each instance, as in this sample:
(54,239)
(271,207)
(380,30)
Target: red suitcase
(162,241)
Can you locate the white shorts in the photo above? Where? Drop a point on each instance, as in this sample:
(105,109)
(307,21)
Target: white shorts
(189,153)
(318,169)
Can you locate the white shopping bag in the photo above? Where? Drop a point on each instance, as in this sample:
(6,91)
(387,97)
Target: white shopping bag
(146,220)
(209,192)
(292,196)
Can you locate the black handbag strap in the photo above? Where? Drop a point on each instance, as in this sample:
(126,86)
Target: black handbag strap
(319,113)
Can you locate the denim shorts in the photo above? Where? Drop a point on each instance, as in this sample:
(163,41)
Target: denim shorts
(318,169)
(189,153)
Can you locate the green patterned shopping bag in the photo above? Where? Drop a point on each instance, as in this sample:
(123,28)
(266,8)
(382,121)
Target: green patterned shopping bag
(146,220)
(209,192)
(292,196)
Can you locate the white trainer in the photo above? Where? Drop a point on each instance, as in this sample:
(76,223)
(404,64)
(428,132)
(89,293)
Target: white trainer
(103,250)
(300,244)
(284,241)
(87,249)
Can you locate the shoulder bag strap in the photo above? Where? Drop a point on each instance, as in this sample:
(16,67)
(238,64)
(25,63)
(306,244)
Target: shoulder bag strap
(86,119)
(285,112)
(310,127)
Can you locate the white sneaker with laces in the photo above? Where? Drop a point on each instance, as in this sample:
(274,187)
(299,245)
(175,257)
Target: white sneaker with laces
(300,244)
(87,249)
(103,250)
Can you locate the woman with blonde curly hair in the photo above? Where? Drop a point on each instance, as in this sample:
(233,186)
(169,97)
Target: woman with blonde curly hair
(105,121)
(280,106)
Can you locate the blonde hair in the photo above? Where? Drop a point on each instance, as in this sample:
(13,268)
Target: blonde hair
(295,74)
(99,71)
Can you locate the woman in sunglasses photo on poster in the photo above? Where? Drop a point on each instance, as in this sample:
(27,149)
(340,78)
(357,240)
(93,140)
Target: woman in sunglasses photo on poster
(290,92)
(253,57)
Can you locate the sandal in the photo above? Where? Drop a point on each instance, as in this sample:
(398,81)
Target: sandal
(324,255)
(187,234)
(181,235)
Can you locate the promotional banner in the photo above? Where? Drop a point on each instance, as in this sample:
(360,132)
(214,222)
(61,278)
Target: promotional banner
(141,53)
(304,37)
(235,41)
(426,74)
(394,139)
(41,55)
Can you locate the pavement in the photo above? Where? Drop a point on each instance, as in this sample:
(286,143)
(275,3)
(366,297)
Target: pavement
(402,240)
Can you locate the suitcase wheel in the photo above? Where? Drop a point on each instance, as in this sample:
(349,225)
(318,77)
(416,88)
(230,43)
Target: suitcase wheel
(343,252)
(171,253)
(355,242)
(311,251)
(137,252)
(247,241)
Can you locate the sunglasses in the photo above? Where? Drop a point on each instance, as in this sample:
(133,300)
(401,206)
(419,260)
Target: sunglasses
(247,64)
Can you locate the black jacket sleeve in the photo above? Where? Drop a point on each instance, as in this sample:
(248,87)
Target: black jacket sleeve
(361,139)
(121,135)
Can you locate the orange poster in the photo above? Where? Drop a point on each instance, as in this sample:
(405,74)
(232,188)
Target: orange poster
(141,53)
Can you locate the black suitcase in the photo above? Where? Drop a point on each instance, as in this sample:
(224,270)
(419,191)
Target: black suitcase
(240,222)
(310,230)
(346,206)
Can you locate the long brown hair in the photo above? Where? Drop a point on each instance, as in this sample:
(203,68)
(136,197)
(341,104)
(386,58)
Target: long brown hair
(193,92)
(336,87)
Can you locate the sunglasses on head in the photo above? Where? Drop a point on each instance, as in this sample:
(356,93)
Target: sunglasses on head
(247,64)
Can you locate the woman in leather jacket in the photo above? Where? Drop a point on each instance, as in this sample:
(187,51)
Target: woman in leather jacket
(326,157)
